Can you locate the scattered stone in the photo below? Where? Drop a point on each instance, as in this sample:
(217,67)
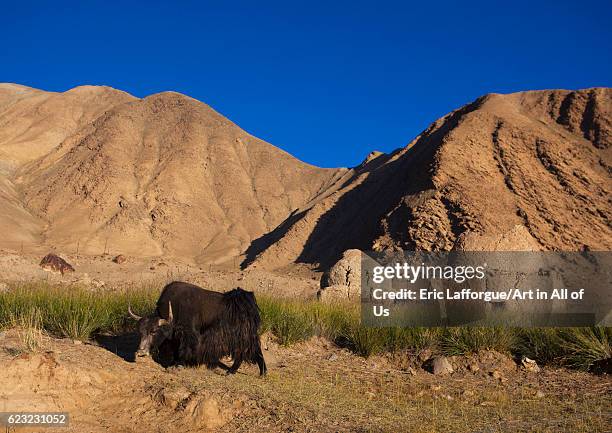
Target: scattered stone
(440,365)
(473,367)
(411,371)
(424,355)
(530,365)
(120,259)
(496,374)
(89,282)
(77,342)
(55,264)
(206,412)
(172,398)
(332,357)
(539,394)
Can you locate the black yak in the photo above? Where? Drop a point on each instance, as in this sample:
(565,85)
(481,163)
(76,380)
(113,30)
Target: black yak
(202,326)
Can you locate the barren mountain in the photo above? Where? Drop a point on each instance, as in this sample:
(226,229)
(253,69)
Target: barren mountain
(161,175)
(538,159)
(99,170)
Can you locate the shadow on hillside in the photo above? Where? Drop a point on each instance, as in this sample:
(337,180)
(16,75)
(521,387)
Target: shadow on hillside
(388,196)
(393,187)
(260,244)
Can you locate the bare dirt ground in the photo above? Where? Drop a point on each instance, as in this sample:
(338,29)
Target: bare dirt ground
(311,387)
(101,272)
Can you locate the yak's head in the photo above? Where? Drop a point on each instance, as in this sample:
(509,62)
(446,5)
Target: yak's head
(153,330)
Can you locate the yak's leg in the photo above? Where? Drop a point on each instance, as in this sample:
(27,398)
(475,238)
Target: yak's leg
(222,366)
(237,361)
(261,363)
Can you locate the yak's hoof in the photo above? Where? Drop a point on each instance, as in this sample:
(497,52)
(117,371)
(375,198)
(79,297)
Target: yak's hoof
(230,372)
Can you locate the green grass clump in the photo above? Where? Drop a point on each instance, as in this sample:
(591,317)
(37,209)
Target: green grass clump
(72,311)
(584,347)
(466,340)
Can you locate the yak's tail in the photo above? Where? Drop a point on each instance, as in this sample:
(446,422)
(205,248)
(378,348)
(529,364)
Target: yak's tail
(241,323)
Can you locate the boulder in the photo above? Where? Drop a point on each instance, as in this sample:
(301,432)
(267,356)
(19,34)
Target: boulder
(346,272)
(342,281)
(55,264)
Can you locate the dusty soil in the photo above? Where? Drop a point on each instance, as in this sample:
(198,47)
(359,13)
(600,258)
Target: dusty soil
(311,387)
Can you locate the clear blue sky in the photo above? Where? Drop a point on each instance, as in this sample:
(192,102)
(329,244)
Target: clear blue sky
(326,81)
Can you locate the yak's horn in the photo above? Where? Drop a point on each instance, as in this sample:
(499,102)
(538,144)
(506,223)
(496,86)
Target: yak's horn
(134,316)
(170,315)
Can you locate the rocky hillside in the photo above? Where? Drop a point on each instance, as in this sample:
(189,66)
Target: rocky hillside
(98,169)
(538,159)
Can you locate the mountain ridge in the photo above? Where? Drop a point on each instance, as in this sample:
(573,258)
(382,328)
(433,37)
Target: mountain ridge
(97,168)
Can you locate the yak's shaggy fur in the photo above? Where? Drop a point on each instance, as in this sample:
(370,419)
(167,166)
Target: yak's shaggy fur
(210,325)
(233,332)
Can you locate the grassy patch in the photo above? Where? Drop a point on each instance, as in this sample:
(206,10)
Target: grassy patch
(72,311)
(75,312)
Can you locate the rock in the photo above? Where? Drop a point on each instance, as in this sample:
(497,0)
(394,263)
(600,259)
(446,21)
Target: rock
(120,259)
(424,355)
(55,264)
(347,271)
(516,239)
(439,365)
(86,280)
(411,371)
(335,293)
(172,398)
(539,394)
(496,374)
(207,413)
(530,365)
(343,278)
(473,367)
(332,357)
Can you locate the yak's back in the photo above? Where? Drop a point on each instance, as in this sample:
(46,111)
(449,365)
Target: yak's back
(191,305)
